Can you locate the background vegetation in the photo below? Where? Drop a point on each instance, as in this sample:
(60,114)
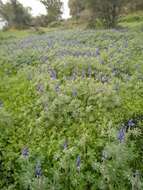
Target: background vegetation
(95,13)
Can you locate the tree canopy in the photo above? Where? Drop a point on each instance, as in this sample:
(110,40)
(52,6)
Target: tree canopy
(54,9)
(15,14)
(107,11)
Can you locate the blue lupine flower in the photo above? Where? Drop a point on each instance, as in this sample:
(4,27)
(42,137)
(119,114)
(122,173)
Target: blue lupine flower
(40,88)
(78,162)
(97,52)
(57,88)
(53,74)
(65,145)
(25,152)
(38,170)
(131,123)
(121,134)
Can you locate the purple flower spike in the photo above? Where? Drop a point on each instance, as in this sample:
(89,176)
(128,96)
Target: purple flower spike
(65,145)
(25,152)
(38,170)
(97,52)
(57,88)
(121,135)
(53,74)
(40,88)
(78,162)
(131,123)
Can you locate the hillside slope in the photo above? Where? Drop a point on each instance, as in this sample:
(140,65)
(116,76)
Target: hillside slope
(71,110)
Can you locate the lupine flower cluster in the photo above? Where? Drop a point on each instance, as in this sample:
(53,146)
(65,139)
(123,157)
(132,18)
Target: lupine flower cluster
(25,152)
(78,163)
(121,135)
(53,74)
(72,72)
(84,74)
(40,88)
(122,132)
(97,52)
(131,123)
(57,88)
(38,170)
(65,145)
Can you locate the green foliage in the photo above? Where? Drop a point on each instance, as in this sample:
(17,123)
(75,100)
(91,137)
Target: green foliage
(135,5)
(71,114)
(130,18)
(40,21)
(76,7)
(107,11)
(15,14)
(132,21)
(55,24)
(54,9)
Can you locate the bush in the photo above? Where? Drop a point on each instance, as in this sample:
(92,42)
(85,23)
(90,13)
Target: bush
(137,17)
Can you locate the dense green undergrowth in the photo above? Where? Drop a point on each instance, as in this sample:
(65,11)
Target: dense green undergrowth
(71,110)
